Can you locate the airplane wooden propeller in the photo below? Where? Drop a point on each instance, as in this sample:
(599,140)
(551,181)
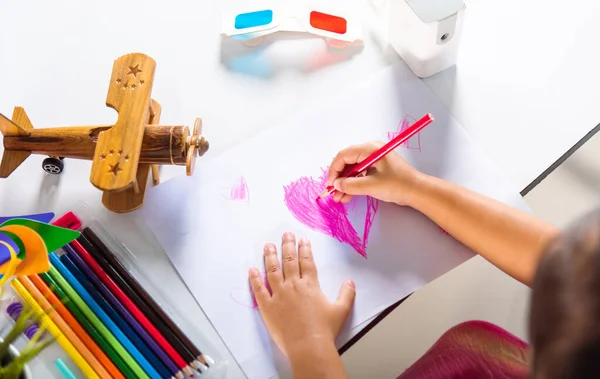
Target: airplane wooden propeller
(123,154)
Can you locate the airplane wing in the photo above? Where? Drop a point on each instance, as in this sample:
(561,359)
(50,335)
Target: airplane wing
(116,158)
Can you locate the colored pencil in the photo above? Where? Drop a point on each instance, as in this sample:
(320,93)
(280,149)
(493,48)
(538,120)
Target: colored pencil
(76,326)
(64,328)
(87,325)
(125,297)
(90,299)
(117,312)
(359,168)
(106,326)
(103,251)
(46,323)
(64,369)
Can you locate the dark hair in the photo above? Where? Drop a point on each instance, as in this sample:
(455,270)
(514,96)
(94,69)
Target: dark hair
(564,320)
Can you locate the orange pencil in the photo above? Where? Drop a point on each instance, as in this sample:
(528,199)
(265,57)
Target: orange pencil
(77,328)
(64,328)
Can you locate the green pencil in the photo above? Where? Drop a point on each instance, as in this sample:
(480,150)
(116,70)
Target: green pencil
(85,323)
(91,316)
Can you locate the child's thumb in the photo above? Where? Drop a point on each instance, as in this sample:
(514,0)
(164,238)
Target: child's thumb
(345,300)
(354,186)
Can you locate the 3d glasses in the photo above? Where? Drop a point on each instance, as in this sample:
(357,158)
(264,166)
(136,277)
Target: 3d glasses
(254,24)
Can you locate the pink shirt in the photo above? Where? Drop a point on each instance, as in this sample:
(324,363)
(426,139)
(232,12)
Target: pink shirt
(473,350)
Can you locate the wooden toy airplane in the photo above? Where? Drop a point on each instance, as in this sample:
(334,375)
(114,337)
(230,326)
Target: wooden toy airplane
(123,154)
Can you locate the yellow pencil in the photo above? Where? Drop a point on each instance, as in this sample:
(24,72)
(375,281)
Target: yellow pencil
(49,325)
(64,327)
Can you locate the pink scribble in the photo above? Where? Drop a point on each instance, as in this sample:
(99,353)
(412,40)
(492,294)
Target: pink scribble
(325,215)
(239,192)
(402,126)
(244,292)
(243,297)
(372,207)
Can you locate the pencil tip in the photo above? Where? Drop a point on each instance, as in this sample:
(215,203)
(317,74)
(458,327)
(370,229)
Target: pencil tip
(208,359)
(200,366)
(323,195)
(188,371)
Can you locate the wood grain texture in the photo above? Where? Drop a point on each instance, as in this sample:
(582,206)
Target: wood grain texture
(17,127)
(11,160)
(133,197)
(10,129)
(155,174)
(155,108)
(161,144)
(20,118)
(129,94)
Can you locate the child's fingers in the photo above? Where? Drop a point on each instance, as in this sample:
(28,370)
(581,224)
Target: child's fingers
(261,293)
(348,156)
(346,199)
(289,257)
(355,186)
(344,302)
(273,268)
(308,268)
(337,196)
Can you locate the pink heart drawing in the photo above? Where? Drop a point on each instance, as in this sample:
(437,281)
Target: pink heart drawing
(415,142)
(245,296)
(326,216)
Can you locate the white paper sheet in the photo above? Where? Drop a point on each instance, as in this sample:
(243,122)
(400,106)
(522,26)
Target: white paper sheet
(213,239)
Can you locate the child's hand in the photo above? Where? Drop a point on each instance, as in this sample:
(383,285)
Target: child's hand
(391,179)
(297,315)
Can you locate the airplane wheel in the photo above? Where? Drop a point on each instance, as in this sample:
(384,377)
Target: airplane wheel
(53,166)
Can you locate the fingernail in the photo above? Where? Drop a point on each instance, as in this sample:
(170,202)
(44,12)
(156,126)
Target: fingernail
(303,241)
(288,236)
(337,184)
(270,248)
(253,272)
(351,283)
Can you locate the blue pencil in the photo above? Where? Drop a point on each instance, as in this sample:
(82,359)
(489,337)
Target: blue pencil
(109,302)
(70,278)
(120,321)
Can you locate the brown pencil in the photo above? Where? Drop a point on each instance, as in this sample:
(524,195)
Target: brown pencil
(158,315)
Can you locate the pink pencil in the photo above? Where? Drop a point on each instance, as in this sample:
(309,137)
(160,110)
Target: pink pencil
(357,169)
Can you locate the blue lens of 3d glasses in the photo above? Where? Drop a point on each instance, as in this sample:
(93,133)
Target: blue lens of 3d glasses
(253,19)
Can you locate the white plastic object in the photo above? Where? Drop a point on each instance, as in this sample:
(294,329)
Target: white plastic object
(426,33)
(289,18)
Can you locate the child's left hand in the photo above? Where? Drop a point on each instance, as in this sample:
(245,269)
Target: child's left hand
(297,314)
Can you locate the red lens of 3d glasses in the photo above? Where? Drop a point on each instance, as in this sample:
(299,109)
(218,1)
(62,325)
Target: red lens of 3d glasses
(328,22)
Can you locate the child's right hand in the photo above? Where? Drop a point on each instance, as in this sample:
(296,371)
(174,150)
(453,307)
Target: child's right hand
(391,179)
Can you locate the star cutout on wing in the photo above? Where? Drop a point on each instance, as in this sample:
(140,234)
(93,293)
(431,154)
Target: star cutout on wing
(114,169)
(134,70)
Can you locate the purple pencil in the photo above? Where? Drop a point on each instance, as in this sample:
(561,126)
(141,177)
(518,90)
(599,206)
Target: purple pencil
(171,367)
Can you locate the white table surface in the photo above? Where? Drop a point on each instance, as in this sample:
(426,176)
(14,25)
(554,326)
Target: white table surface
(524,86)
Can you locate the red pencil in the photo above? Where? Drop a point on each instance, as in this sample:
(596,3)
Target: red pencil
(359,168)
(131,307)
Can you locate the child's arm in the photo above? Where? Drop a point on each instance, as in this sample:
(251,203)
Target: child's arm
(317,359)
(508,238)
